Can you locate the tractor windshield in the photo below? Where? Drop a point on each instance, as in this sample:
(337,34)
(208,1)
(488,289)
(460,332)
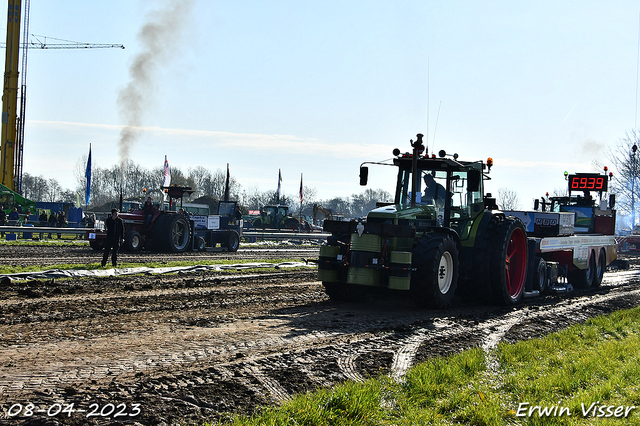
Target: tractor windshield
(431,188)
(439,188)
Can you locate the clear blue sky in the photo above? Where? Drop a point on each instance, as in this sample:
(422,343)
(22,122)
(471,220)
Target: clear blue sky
(319,87)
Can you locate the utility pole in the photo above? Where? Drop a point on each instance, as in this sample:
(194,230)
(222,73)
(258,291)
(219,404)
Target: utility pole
(633,182)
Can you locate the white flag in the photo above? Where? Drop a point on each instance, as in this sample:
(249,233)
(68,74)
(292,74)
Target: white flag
(166,181)
(167,173)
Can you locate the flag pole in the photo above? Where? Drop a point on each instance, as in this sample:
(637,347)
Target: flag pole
(87,175)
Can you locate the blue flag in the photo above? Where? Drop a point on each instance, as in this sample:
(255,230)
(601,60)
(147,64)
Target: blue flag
(87,174)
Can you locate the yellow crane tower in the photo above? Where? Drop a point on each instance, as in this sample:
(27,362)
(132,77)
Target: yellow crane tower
(10,96)
(12,136)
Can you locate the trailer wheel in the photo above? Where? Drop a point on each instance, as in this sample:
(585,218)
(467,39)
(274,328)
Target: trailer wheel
(585,278)
(602,266)
(436,278)
(508,264)
(233,241)
(540,279)
(133,241)
(171,233)
(97,245)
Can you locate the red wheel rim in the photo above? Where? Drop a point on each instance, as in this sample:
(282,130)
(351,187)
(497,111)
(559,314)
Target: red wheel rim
(516,262)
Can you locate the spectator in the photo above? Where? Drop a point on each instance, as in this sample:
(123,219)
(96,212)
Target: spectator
(115,237)
(43,221)
(3,218)
(14,217)
(61,222)
(53,219)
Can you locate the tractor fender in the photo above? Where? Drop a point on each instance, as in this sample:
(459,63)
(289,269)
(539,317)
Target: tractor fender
(450,232)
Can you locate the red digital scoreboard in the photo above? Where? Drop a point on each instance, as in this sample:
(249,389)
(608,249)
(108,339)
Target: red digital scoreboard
(588,182)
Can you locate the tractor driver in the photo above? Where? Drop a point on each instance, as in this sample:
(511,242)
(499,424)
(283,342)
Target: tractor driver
(434,193)
(149,210)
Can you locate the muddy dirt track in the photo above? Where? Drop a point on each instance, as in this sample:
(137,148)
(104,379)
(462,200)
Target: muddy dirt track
(165,349)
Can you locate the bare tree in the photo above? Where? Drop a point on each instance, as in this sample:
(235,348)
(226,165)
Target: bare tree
(54,191)
(625,162)
(362,203)
(508,199)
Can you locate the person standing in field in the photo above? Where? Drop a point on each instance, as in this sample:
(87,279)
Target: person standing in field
(115,237)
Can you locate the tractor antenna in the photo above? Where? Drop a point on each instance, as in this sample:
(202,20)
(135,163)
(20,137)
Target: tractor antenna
(635,125)
(435,128)
(428,65)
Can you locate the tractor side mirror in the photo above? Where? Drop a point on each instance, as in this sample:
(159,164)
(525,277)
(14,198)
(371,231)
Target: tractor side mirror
(474,180)
(612,200)
(364,175)
(536,204)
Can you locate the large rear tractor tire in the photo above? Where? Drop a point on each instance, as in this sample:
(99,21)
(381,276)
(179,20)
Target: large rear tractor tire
(133,241)
(232,241)
(171,233)
(291,223)
(434,283)
(508,262)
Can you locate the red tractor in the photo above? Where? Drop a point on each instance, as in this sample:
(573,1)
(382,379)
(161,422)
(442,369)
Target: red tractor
(164,231)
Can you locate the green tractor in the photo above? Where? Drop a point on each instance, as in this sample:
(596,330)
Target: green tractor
(439,236)
(275,217)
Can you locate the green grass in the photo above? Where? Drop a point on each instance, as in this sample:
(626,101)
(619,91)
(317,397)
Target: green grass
(596,362)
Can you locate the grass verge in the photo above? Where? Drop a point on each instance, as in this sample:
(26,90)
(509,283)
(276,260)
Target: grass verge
(586,374)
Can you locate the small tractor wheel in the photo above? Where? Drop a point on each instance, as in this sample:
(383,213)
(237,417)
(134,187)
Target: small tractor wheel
(232,241)
(540,279)
(585,278)
(436,278)
(602,266)
(508,262)
(97,245)
(133,241)
(171,233)
(201,244)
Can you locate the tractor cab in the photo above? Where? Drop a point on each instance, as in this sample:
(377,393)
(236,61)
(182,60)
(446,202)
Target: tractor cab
(275,217)
(436,191)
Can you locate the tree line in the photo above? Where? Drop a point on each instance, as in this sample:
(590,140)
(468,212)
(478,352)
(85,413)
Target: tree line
(131,178)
